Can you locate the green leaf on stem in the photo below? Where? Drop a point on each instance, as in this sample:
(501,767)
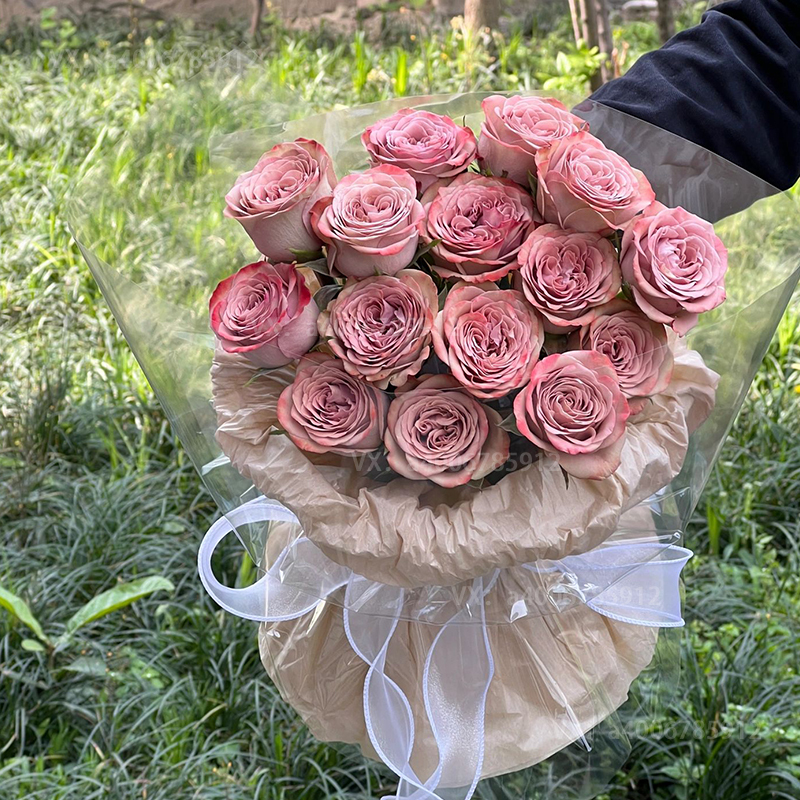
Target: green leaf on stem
(112,600)
(21,610)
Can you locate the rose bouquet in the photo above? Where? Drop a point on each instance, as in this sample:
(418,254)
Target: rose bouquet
(469,292)
(469,370)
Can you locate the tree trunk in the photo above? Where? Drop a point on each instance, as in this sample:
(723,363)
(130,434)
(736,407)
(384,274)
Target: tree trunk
(255,19)
(605,39)
(666,20)
(595,30)
(480,14)
(576,24)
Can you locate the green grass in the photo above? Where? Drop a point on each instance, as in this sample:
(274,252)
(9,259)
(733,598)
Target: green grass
(166,698)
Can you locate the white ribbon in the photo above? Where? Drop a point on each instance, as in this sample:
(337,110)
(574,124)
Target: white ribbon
(634,582)
(271,599)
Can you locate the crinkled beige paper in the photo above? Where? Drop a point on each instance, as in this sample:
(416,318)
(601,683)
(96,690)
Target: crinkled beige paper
(412,534)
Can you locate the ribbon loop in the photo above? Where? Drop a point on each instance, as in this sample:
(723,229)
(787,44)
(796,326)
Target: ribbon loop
(271,598)
(636,583)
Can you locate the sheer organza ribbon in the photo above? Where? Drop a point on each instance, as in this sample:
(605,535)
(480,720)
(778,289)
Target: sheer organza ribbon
(633,582)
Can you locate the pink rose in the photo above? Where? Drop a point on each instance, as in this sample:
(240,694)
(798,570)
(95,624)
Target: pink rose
(675,264)
(428,146)
(381,327)
(326,410)
(265,311)
(490,338)
(636,346)
(573,408)
(370,223)
(566,275)
(516,128)
(585,186)
(476,226)
(435,431)
(273,201)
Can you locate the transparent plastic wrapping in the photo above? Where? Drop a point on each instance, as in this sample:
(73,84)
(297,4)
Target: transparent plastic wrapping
(460,634)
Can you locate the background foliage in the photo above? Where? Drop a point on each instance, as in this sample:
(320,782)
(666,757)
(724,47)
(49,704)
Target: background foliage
(151,692)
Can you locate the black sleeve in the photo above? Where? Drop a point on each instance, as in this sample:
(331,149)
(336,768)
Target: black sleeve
(731,85)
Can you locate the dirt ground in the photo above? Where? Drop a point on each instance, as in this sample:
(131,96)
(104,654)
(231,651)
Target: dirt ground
(203,10)
(339,14)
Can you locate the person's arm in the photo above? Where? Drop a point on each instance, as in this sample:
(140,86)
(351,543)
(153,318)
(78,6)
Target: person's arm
(731,85)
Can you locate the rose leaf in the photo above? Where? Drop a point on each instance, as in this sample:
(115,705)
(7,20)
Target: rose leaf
(304,256)
(327,293)
(509,424)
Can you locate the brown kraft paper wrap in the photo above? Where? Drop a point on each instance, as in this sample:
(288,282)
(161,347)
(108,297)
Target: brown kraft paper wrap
(558,673)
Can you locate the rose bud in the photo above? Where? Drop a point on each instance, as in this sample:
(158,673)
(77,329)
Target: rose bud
(490,338)
(436,431)
(326,410)
(428,146)
(517,127)
(585,186)
(265,312)
(636,346)
(370,223)
(381,327)
(574,409)
(566,275)
(675,265)
(273,201)
(476,226)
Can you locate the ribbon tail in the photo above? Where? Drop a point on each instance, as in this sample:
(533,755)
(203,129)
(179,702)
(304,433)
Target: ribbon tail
(371,615)
(457,674)
(456,680)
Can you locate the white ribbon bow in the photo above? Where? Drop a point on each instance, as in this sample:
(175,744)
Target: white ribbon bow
(637,583)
